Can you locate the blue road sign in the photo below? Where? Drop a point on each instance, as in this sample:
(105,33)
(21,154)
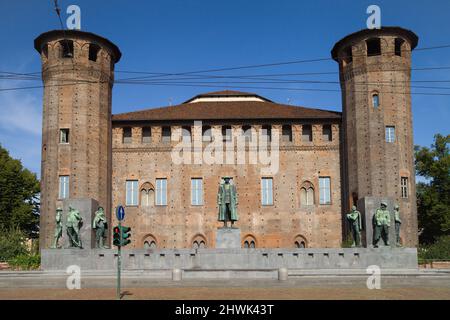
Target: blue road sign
(120,213)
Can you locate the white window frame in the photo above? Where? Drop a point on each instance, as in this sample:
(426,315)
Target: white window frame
(161,192)
(390,134)
(131,193)
(196,191)
(267,191)
(404,187)
(63,187)
(324,190)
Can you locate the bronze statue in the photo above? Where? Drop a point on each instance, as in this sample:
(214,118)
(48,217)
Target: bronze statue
(227,201)
(73,225)
(398,223)
(381,223)
(58,229)
(100,225)
(354,218)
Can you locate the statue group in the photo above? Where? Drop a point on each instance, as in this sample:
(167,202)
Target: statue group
(74,224)
(381,223)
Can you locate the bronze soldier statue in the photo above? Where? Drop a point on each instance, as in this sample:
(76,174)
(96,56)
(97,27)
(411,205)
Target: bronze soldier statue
(354,218)
(227,201)
(58,229)
(381,223)
(100,225)
(73,225)
(398,223)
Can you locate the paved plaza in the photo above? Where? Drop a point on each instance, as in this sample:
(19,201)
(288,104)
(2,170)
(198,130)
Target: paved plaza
(422,285)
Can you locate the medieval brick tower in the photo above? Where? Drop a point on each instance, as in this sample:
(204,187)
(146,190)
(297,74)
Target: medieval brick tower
(375,72)
(78,75)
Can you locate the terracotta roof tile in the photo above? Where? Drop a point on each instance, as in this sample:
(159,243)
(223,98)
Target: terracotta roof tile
(209,110)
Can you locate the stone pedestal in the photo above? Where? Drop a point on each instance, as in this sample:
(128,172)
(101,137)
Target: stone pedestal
(87,208)
(368,206)
(228,238)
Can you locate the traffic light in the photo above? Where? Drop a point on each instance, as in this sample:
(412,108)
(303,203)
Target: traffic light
(121,235)
(116,236)
(126,234)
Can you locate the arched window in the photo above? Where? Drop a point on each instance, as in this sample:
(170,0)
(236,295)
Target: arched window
(93,51)
(199,242)
(147,194)
(249,242)
(373,47)
(307,194)
(150,242)
(247,132)
(286,133)
(375,100)
(300,242)
(66,48)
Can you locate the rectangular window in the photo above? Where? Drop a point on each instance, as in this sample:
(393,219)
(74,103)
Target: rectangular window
(197,191)
(226,133)
(63,187)
(404,184)
(127,135)
(286,134)
(146,135)
(161,192)
(63,135)
(390,134)
(307,132)
(266,191)
(166,134)
(324,190)
(327,133)
(131,193)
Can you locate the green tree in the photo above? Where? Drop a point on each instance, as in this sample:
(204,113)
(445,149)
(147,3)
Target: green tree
(19,196)
(433,196)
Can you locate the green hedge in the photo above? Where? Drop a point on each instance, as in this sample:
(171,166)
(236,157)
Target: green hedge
(25,262)
(440,250)
(12,244)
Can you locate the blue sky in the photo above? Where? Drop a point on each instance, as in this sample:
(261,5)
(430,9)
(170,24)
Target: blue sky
(184,35)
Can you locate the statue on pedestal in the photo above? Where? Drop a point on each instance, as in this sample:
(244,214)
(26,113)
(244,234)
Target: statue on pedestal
(398,223)
(73,225)
(227,201)
(58,229)
(354,218)
(381,223)
(100,225)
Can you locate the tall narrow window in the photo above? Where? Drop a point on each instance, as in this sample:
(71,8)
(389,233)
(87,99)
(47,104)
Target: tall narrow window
(146,135)
(324,190)
(266,132)
(93,51)
(161,192)
(131,194)
(286,134)
(206,134)
(166,134)
(398,46)
(66,48)
(63,187)
(63,135)
(307,132)
(373,47)
(186,133)
(196,191)
(404,186)
(266,191)
(390,134)
(127,136)
(375,100)
(226,133)
(247,132)
(326,132)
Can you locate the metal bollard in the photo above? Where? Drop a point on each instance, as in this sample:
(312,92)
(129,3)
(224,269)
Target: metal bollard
(176,274)
(282,274)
